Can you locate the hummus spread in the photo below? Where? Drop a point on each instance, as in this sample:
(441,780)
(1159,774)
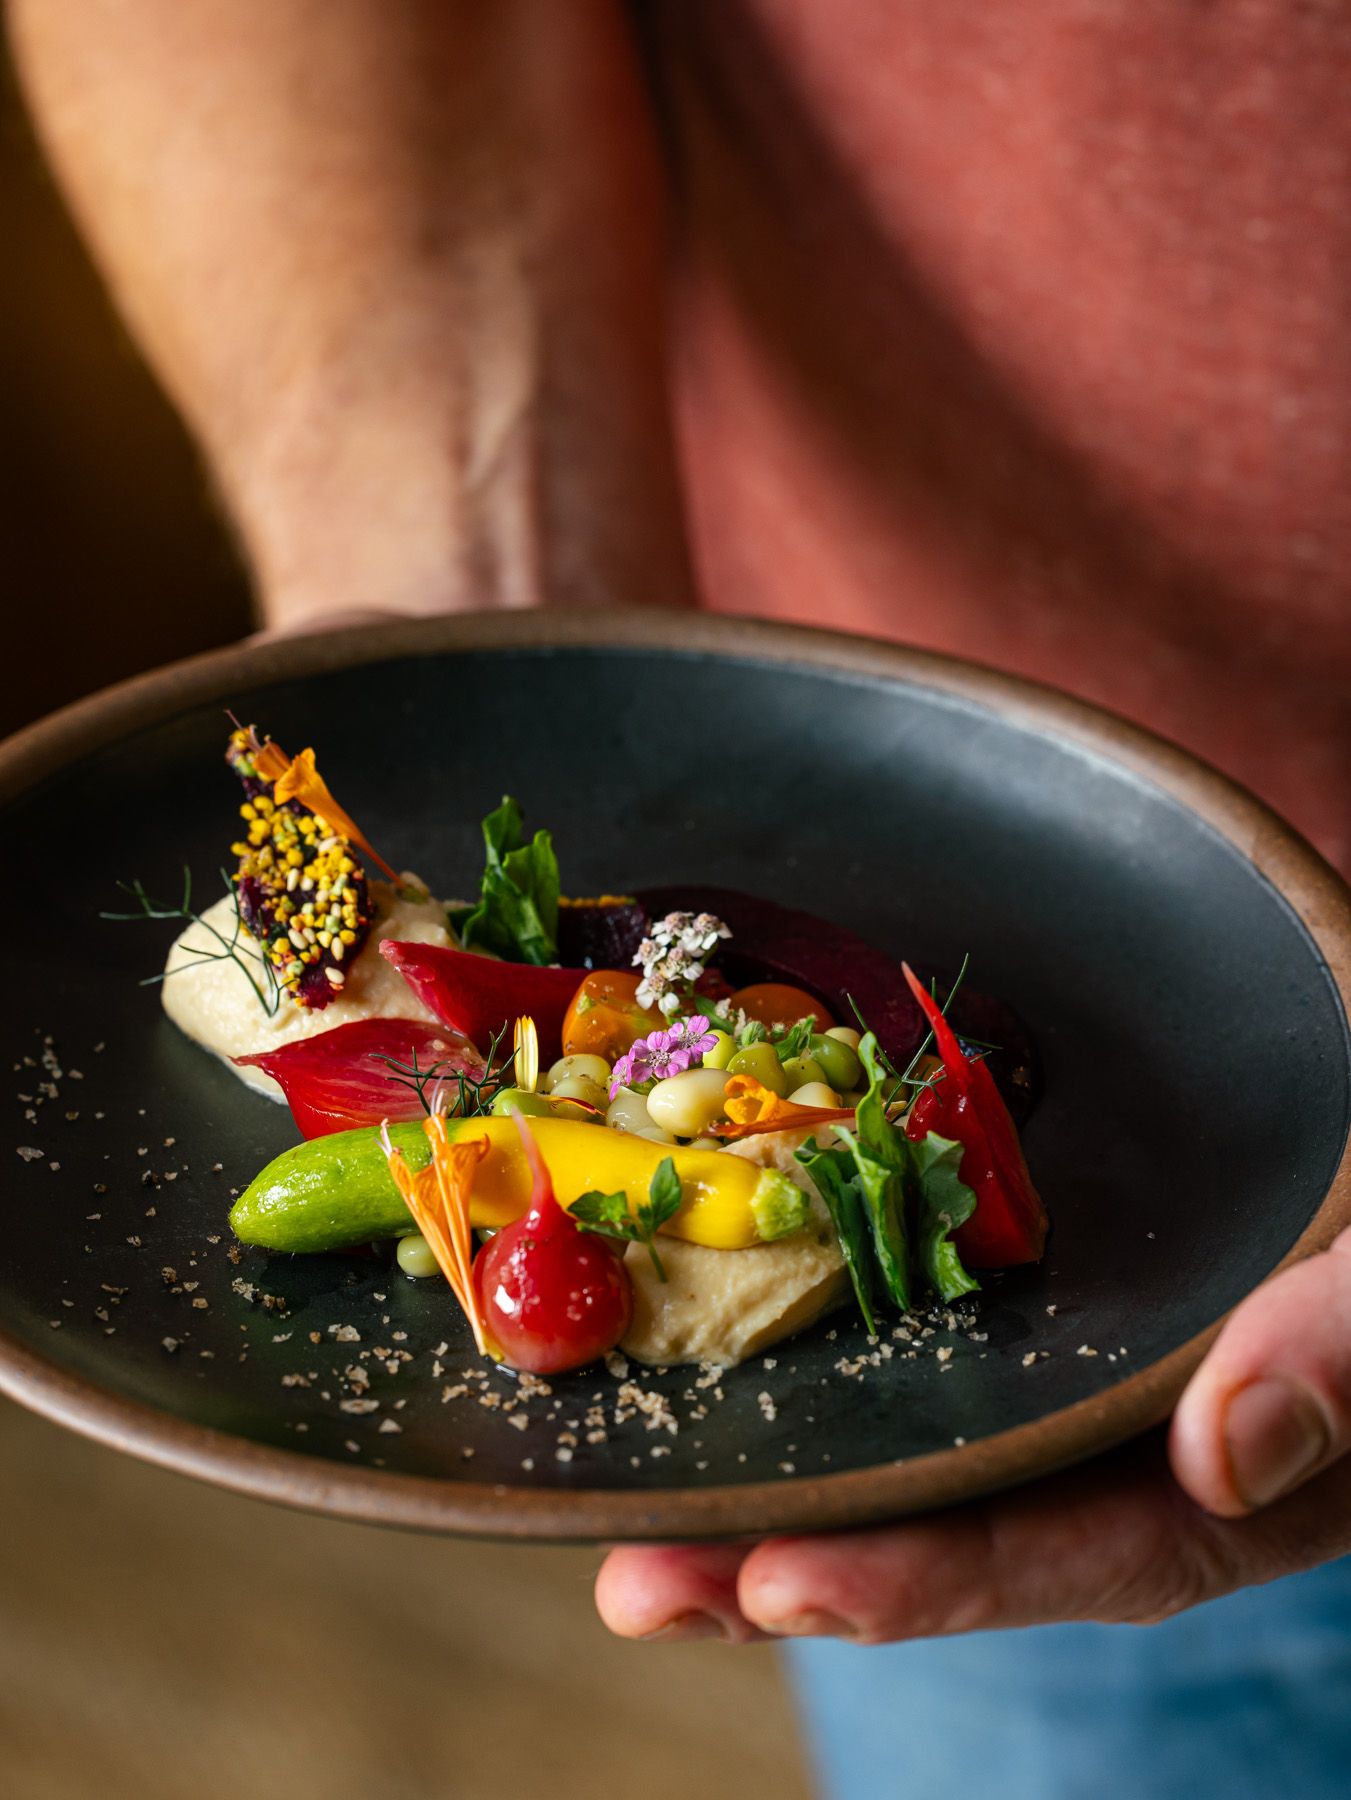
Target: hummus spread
(214,1004)
(721,1306)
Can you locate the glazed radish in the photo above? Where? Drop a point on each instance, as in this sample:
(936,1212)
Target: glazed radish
(553,1296)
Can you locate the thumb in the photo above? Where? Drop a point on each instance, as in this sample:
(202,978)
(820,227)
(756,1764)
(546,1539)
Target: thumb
(1271,1404)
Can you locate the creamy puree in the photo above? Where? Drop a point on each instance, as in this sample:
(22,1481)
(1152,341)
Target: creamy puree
(214,1004)
(721,1306)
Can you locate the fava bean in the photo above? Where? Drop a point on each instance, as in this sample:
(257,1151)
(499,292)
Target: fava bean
(845,1034)
(628,1112)
(582,1087)
(594,1068)
(800,1069)
(513,1100)
(761,1062)
(814,1093)
(687,1104)
(414,1255)
(722,1052)
(837,1061)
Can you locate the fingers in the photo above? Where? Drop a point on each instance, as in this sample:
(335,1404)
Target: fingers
(673,1591)
(1271,1405)
(1110,1542)
(1117,1542)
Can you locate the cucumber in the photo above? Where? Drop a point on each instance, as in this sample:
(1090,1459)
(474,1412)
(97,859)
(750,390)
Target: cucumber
(329,1193)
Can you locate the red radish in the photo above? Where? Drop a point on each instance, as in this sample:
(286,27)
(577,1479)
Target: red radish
(335,1081)
(553,1296)
(479,996)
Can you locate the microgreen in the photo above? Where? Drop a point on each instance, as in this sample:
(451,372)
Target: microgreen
(231,949)
(609,1214)
(474,1093)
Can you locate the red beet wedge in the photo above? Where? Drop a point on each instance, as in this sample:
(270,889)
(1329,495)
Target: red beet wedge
(335,1081)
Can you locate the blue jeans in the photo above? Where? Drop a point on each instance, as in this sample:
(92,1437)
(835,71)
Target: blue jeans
(1247,1698)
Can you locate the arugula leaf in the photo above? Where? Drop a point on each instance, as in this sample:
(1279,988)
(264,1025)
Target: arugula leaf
(944,1202)
(609,1213)
(516,916)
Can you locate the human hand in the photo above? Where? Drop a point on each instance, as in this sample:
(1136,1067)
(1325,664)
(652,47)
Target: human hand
(1253,1482)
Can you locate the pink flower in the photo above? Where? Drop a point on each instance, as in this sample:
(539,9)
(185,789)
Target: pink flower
(663,1054)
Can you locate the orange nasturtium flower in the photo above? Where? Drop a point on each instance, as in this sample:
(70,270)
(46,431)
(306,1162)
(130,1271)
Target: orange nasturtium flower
(297,778)
(438,1198)
(753,1108)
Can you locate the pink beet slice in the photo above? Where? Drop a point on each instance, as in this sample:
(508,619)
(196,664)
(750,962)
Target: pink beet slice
(335,1081)
(480,996)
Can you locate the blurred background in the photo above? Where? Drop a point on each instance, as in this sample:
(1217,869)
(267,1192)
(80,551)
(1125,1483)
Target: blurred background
(158,1638)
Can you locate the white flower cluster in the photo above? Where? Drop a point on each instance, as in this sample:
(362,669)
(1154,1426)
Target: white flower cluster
(674,958)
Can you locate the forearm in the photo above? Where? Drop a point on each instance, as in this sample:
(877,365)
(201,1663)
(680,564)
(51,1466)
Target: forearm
(399,266)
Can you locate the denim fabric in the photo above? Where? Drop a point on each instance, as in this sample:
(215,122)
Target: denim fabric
(1247,1698)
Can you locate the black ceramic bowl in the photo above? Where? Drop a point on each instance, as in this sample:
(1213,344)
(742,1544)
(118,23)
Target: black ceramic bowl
(1179,954)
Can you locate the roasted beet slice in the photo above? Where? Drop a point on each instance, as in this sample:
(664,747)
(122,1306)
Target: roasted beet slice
(776,943)
(600,934)
(335,1080)
(480,996)
(773,942)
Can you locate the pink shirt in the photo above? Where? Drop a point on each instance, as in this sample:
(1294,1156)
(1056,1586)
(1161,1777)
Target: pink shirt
(1023,331)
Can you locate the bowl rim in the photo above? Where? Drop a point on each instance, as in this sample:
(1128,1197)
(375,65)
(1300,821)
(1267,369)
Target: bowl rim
(1278,854)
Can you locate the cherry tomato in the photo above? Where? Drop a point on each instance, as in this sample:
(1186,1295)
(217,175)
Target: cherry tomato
(776,1003)
(554,1297)
(605,1018)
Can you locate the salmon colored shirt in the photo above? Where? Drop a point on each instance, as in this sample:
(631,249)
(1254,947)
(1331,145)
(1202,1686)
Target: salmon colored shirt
(1022,329)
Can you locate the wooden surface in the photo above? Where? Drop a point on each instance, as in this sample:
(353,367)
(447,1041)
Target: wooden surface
(160,1639)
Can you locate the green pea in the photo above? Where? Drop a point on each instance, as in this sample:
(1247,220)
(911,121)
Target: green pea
(799,1070)
(761,1062)
(414,1255)
(518,1100)
(838,1063)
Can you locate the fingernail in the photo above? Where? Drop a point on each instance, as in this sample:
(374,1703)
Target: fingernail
(686,1627)
(1275,1436)
(808,1624)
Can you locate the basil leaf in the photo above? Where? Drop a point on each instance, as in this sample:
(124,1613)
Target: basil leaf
(664,1193)
(516,916)
(603,1212)
(944,1202)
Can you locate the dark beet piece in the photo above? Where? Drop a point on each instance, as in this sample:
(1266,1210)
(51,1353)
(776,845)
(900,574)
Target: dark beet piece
(776,943)
(600,934)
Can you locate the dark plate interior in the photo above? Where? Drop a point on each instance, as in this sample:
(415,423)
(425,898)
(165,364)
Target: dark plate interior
(1195,1053)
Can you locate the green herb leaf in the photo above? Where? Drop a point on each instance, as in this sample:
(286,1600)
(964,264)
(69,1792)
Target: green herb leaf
(944,1203)
(232,949)
(836,1180)
(795,1039)
(517,914)
(664,1194)
(894,1204)
(607,1213)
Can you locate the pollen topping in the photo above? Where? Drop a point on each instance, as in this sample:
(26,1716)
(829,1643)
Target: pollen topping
(302,892)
